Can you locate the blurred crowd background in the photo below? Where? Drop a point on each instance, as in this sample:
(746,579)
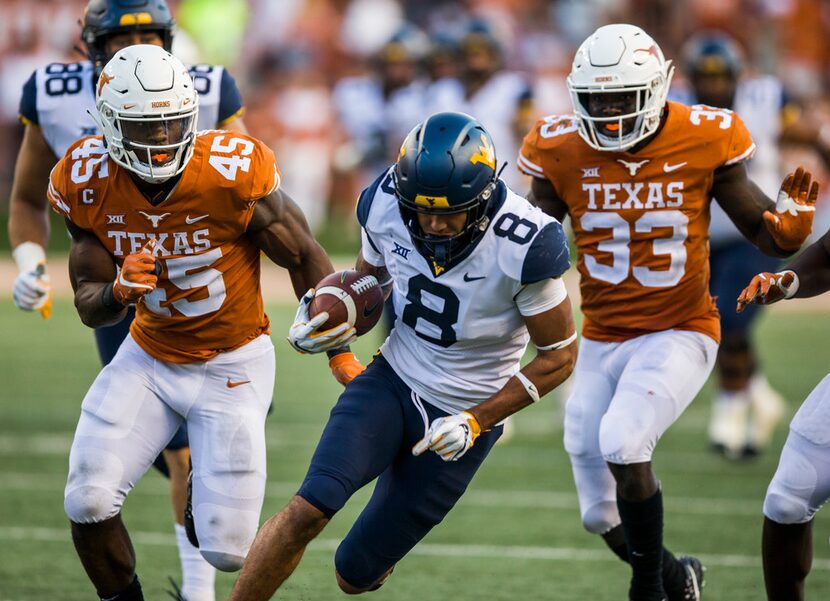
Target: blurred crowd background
(333,86)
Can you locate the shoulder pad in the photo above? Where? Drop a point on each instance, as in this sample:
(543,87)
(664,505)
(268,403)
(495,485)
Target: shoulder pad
(548,255)
(364,202)
(28,101)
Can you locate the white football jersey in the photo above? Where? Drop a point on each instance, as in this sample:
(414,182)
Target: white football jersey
(60,97)
(459,336)
(495,106)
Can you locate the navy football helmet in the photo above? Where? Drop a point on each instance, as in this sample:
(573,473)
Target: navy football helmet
(712,52)
(446,166)
(103,18)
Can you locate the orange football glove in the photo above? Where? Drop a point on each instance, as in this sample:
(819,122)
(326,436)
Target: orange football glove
(795,208)
(137,276)
(345,367)
(767,288)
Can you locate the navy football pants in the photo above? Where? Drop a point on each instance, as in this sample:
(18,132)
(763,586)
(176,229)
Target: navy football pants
(370,434)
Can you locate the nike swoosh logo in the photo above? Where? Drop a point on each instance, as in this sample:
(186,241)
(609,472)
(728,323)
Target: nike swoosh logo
(669,168)
(367,310)
(235,384)
(467,277)
(191,220)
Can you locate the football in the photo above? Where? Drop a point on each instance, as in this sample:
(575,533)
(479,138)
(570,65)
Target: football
(348,296)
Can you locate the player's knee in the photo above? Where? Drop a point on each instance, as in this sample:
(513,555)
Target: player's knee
(225,562)
(225,534)
(601,517)
(622,439)
(89,496)
(785,508)
(355,570)
(346,587)
(90,504)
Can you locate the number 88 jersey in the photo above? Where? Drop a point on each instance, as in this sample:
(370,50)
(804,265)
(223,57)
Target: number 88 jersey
(208,297)
(641,221)
(459,335)
(59,98)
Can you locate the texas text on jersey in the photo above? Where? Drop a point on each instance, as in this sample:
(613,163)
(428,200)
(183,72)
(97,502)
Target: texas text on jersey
(208,297)
(641,220)
(58,90)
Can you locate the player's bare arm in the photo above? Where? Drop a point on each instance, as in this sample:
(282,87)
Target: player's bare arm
(380,273)
(280,230)
(777,228)
(91,270)
(554,334)
(543,195)
(808,275)
(28,215)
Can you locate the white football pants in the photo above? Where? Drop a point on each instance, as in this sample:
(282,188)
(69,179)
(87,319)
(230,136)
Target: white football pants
(801,484)
(625,396)
(132,410)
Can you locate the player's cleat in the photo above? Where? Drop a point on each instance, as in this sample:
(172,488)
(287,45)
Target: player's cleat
(766,410)
(189,524)
(729,424)
(693,587)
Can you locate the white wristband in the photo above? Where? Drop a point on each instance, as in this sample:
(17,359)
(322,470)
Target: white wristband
(530,387)
(789,291)
(28,256)
(558,345)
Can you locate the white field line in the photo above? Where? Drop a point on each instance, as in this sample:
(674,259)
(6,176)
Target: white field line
(26,481)
(426,549)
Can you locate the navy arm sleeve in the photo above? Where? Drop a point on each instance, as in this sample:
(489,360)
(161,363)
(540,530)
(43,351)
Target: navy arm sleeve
(548,255)
(28,101)
(230,100)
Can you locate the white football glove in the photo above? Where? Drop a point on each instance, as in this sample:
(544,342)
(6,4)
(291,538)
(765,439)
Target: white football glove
(450,436)
(32,290)
(304,336)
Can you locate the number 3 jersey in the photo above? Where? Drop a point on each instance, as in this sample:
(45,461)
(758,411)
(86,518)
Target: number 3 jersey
(208,297)
(459,335)
(641,221)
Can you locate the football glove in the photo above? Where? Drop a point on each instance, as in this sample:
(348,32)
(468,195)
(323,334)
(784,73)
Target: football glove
(345,367)
(32,290)
(767,288)
(450,436)
(305,338)
(137,276)
(795,208)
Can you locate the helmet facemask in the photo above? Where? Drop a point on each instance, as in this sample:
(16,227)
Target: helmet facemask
(623,130)
(155,148)
(443,250)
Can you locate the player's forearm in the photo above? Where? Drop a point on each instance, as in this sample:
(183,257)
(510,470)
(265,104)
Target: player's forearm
(309,269)
(813,269)
(96,305)
(28,223)
(766,244)
(547,371)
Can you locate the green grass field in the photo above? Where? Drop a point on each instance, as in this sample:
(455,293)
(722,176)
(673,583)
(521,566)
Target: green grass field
(516,535)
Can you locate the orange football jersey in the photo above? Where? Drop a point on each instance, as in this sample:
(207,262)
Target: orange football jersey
(208,298)
(641,221)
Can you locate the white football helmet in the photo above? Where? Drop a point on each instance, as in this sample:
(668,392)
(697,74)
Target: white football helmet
(616,59)
(147,108)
